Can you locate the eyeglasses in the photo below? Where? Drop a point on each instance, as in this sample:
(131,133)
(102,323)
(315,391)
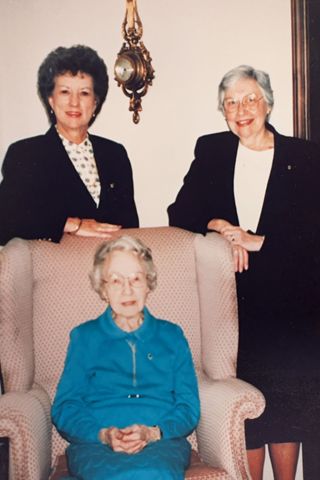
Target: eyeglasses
(250,102)
(117,281)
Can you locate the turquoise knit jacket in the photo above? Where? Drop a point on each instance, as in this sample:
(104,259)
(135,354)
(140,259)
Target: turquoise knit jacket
(115,378)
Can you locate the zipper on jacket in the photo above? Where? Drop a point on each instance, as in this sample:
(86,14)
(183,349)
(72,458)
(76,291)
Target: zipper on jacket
(133,349)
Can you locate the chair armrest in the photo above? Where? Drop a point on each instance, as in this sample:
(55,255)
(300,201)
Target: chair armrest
(25,420)
(225,404)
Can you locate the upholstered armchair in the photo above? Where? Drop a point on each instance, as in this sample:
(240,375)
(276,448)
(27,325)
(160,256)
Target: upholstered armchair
(45,291)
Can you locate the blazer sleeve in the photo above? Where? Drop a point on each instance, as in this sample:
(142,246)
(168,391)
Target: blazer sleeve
(190,209)
(117,203)
(300,229)
(29,207)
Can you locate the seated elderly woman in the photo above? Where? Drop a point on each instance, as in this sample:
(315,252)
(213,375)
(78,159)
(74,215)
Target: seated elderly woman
(67,180)
(128,395)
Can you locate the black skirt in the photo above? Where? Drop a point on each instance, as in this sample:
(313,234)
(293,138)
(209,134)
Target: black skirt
(282,361)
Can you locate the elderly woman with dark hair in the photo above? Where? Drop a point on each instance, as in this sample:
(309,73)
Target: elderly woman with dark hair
(128,395)
(67,181)
(260,191)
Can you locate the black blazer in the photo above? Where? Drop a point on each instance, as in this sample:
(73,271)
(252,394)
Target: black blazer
(41,188)
(281,290)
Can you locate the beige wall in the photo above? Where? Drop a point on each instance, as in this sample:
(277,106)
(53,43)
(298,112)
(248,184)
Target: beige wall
(192,43)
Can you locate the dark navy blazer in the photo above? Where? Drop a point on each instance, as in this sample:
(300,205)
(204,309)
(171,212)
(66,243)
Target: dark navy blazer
(41,188)
(279,296)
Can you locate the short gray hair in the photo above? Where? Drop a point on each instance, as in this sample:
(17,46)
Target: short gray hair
(245,71)
(127,244)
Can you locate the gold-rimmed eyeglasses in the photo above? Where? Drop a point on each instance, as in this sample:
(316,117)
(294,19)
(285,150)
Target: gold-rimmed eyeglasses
(116,281)
(249,101)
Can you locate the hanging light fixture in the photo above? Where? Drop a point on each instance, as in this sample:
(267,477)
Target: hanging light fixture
(133,70)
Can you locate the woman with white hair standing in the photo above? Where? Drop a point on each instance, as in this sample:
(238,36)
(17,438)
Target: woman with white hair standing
(260,191)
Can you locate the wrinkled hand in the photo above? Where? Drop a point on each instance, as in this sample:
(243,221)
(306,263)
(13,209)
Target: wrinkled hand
(120,441)
(241,242)
(238,236)
(218,224)
(91,228)
(131,439)
(240,258)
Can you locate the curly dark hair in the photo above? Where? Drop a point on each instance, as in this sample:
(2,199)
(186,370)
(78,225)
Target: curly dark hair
(78,58)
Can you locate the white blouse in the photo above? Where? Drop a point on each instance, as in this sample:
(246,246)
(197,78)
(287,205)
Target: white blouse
(251,175)
(82,158)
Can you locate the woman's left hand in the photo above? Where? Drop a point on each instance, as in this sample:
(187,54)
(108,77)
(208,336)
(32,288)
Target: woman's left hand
(238,236)
(130,439)
(139,436)
(88,227)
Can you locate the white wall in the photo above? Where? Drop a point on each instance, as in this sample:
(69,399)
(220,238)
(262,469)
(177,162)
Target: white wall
(192,43)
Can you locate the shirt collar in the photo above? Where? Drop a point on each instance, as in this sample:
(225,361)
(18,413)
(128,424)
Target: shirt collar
(74,146)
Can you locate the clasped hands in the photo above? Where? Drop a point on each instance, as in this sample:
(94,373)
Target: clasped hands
(130,439)
(241,242)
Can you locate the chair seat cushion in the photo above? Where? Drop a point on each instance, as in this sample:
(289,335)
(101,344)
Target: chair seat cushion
(198,470)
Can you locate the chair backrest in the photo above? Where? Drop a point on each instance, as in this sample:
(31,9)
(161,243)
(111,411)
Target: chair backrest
(45,291)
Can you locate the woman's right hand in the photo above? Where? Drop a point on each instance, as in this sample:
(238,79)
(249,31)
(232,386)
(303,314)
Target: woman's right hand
(240,253)
(118,440)
(240,258)
(88,227)
(131,439)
